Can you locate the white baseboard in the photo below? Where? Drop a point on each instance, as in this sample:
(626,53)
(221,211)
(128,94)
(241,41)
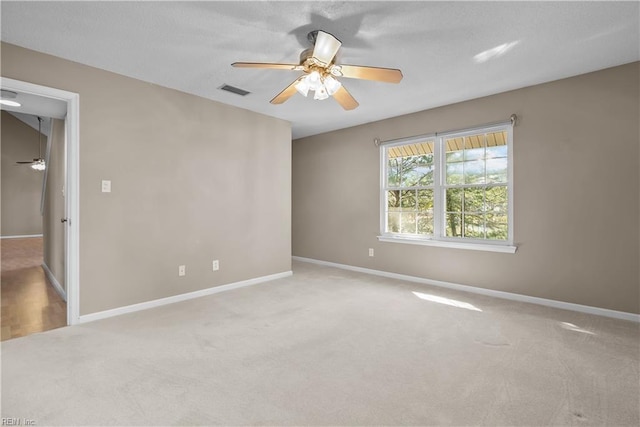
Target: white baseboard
(177,298)
(52,279)
(24,236)
(482,291)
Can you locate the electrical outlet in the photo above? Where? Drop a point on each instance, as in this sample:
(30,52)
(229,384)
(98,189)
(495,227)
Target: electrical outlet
(106,186)
(182,270)
(215,265)
(370,251)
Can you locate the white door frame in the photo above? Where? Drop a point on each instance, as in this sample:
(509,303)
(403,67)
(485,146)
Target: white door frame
(72,186)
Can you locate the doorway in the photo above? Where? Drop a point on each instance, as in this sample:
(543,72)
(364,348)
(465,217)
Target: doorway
(33,295)
(32,97)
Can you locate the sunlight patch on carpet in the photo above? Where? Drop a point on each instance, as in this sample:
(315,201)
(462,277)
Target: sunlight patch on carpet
(446,301)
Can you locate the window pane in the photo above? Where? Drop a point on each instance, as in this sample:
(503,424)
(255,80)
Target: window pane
(454,199)
(425,200)
(497,170)
(408,222)
(497,157)
(393,172)
(417,164)
(497,144)
(393,222)
(454,173)
(496,200)
(393,200)
(474,226)
(417,170)
(425,223)
(408,150)
(474,172)
(474,147)
(410,164)
(426,174)
(410,175)
(497,152)
(425,214)
(454,220)
(454,149)
(499,137)
(408,200)
(497,227)
(454,156)
(474,154)
(473,199)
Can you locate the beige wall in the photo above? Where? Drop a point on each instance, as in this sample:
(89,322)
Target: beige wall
(192,180)
(54,204)
(576,193)
(21,185)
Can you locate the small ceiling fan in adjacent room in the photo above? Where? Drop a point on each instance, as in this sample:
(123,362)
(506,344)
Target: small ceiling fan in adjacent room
(321,73)
(37,164)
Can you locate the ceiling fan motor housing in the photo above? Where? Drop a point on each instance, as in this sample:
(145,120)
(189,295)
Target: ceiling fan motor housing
(306,54)
(312,37)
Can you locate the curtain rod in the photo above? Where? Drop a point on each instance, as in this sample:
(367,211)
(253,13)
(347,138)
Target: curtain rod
(513,119)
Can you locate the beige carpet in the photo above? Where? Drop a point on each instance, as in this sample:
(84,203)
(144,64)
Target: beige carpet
(330,347)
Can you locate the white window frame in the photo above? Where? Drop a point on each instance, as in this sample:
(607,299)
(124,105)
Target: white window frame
(439,237)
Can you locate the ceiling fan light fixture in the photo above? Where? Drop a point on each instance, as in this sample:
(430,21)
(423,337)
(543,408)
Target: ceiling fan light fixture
(38,165)
(314,80)
(326,47)
(332,85)
(335,70)
(8,97)
(10,103)
(322,86)
(321,93)
(303,87)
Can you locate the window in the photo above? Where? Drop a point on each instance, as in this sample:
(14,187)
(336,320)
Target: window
(451,189)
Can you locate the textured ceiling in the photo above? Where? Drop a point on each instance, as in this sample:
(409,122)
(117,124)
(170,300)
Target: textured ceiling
(189,46)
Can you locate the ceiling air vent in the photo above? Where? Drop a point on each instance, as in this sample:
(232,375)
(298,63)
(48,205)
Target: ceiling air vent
(234,89)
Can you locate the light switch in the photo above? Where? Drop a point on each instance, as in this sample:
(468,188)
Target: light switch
(106,186)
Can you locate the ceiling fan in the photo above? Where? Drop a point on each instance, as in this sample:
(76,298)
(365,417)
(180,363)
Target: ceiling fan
(37,164)
(321,72)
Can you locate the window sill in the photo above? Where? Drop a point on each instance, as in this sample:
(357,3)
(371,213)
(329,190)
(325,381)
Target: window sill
(487,247)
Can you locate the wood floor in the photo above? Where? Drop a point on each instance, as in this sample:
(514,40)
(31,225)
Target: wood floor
(29,302)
